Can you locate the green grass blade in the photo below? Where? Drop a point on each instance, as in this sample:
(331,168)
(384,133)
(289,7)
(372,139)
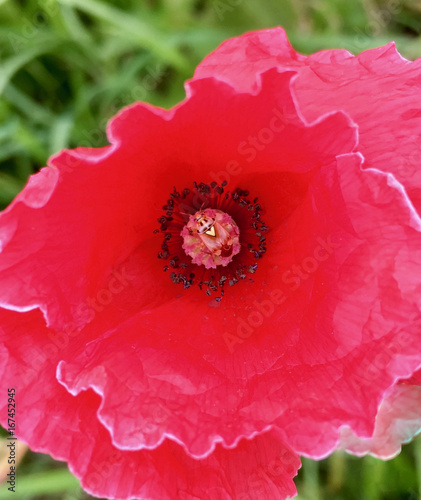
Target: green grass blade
(16,62)
(141,32)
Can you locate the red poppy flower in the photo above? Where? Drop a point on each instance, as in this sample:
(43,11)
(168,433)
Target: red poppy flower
(225,286)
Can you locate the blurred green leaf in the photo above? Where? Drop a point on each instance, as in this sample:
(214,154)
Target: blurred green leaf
(44,483)
(9,188)
(14,63)
(142,33)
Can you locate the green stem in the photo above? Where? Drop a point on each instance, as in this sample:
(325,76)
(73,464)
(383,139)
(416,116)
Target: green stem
(417,448)
(311,479)
(336,472)
(373,471)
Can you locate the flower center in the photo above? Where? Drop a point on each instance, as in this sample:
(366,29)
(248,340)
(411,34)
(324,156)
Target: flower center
(211,237)
(202,243)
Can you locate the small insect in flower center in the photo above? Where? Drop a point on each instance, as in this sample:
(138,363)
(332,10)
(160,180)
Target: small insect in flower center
(205,225)
(211,238)
(202,246)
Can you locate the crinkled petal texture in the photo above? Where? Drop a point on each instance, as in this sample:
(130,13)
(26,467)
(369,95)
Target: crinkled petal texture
(378,88)
(397,422)
(54,421)
(328,323)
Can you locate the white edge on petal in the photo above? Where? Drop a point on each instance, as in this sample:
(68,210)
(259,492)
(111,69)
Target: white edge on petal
(415,218)
(215,439)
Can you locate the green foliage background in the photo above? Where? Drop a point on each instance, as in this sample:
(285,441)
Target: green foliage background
(67,66)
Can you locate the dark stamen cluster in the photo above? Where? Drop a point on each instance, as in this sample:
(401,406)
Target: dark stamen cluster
(245,212)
